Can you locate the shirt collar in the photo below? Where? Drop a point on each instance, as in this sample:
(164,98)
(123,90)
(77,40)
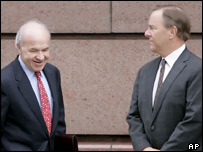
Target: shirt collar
(172,57)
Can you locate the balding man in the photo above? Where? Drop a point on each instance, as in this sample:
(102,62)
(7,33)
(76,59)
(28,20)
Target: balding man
(32,109)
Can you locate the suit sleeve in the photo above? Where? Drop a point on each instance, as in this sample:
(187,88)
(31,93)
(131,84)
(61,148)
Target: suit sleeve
(61,127)
(136,127)
(4,106)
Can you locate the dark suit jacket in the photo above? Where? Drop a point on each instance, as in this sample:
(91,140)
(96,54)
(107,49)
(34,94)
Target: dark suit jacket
(22,124)
(176,120)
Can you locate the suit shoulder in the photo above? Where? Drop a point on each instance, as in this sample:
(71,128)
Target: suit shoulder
(151,63)
(194,63)
(7,71)
(195,59)
(51,67)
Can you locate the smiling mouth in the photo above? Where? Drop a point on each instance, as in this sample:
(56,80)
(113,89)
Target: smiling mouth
(38,62)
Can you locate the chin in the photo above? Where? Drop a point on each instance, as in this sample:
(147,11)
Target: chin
(38,69)
(152,49)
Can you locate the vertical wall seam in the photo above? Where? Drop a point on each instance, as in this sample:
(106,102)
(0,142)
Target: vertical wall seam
(110,16)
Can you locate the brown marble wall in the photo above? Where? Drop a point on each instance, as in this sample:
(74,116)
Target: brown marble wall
(99,47)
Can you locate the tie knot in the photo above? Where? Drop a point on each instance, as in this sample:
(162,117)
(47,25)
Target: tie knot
(163,62)
(38,74)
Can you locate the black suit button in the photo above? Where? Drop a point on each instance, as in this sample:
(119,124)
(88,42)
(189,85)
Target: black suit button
(152,128)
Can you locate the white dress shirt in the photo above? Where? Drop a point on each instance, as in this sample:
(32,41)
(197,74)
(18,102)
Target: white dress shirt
(170,59)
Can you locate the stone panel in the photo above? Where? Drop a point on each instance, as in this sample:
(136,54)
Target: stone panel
(133,16)
(60,16)
(97,79)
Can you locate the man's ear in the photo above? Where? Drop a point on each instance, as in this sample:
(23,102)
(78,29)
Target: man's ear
(173,32)
(19,48)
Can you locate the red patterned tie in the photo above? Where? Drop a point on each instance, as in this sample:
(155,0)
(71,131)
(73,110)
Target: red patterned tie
(45,105)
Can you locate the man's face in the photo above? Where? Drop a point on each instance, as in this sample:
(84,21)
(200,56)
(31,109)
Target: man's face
(34,49)
(158,34)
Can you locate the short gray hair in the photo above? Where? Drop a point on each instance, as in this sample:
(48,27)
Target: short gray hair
(22,28)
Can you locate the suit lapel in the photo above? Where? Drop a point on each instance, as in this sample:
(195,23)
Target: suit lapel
(175,71)
(152,70)
(27,92)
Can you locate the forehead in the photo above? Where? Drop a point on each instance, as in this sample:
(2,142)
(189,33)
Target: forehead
(156,18)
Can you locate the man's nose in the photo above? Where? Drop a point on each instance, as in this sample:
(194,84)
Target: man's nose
(40,55)
(147,33)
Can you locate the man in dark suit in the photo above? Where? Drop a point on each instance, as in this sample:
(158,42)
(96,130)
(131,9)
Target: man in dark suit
(166,108)
(23,126)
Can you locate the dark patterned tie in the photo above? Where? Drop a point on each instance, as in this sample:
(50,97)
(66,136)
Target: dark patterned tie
(45,105)
(163,62)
